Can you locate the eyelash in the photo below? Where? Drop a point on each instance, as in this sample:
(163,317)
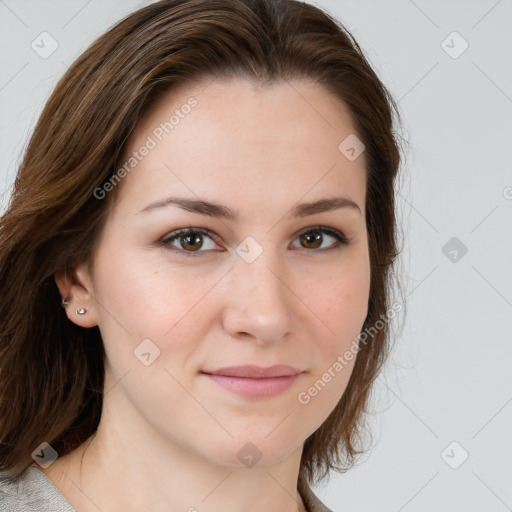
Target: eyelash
(341,240)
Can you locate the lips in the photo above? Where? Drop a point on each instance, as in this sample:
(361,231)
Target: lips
(255,372)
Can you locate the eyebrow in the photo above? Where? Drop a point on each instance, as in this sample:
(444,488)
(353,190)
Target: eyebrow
(217,210)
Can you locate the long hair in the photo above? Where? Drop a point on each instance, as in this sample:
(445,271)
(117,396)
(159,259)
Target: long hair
(51,370)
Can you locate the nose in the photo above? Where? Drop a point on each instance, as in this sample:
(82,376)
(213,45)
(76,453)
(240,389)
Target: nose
(261,303)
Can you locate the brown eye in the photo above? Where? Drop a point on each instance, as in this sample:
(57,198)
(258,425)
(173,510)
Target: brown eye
(311,240)
(314,237)
(192,242)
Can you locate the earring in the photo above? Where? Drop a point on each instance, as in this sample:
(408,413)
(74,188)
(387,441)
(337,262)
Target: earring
(81,311)
(64,303)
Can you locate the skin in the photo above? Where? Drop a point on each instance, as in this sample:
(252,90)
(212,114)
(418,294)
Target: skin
(169,436)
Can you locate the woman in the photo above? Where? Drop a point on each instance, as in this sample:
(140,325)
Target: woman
(195,265)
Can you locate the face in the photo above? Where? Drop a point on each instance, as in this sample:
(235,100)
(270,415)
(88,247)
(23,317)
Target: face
(270,285)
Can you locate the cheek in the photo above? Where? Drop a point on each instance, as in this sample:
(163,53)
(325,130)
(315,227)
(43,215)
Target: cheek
(341,307)
(342,303)
(149,294)
(146,298)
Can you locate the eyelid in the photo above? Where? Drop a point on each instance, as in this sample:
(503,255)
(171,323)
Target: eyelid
(336,233)
(340,237)
(166,239)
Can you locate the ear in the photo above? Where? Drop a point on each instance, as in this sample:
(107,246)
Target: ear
(75,286)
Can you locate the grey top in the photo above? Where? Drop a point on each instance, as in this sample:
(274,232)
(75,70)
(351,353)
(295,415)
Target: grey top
(34,492)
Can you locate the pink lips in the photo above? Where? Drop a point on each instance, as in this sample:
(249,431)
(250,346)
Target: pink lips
(254,381)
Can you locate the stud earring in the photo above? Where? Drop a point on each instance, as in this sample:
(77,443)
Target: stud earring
(81,311)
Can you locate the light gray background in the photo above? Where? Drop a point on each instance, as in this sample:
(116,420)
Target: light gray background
(450,376)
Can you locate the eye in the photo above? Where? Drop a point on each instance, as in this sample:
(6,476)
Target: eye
(191,240)
(313,238)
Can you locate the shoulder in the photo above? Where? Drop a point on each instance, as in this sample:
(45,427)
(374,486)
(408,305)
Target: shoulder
(31,491)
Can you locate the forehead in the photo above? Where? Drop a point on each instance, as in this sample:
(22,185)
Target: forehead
(239,107)
(236,137)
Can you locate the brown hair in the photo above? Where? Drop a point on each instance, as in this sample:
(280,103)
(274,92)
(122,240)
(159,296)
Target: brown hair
(52,370)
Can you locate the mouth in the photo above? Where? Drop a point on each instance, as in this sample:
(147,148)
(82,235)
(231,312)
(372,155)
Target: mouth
(255,372)
(255,381)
